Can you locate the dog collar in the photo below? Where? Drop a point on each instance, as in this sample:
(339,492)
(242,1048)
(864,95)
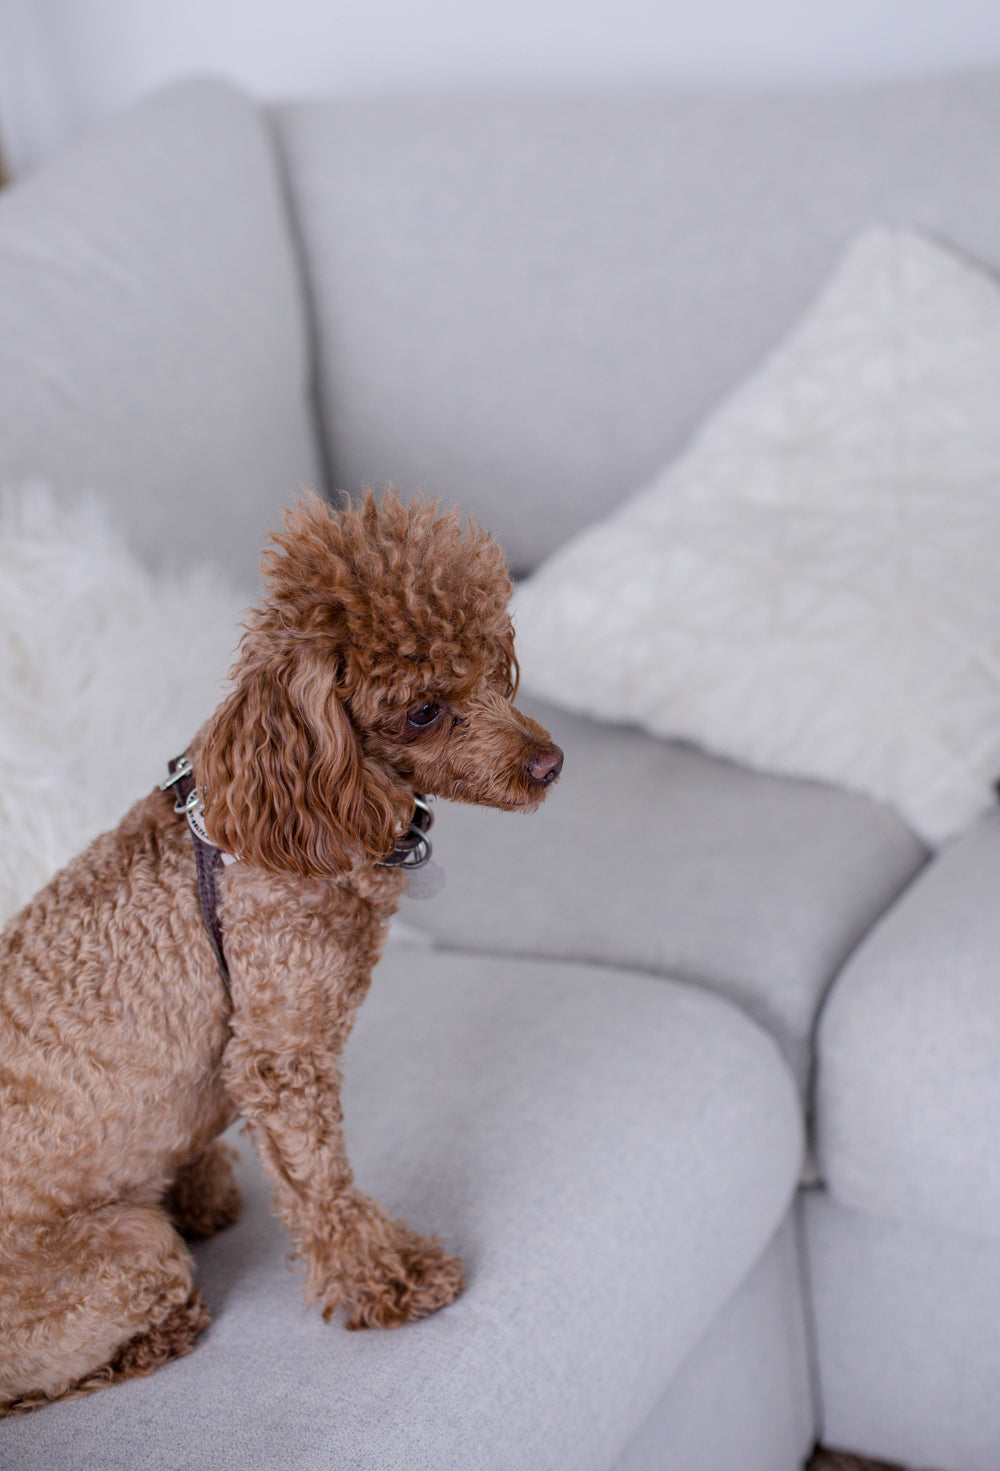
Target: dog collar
(189,803)
(413,848)
(412,854)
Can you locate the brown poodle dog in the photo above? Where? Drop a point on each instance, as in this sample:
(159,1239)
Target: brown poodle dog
(381,665)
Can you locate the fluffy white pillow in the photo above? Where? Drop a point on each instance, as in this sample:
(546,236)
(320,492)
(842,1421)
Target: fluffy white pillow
(106,671)
(814,588)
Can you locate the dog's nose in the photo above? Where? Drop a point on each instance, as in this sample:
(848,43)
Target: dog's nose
(546,766)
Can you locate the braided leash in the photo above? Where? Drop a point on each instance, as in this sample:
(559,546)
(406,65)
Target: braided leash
(208,858)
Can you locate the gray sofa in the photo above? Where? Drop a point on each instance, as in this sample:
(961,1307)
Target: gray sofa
(699,1070)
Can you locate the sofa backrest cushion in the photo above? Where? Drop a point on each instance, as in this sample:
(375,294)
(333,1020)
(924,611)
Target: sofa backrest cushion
(527,303)
(154,345)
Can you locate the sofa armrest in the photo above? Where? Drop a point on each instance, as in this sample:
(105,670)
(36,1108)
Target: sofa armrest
(908,1081)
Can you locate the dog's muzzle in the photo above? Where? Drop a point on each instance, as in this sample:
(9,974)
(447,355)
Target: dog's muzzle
(546,766)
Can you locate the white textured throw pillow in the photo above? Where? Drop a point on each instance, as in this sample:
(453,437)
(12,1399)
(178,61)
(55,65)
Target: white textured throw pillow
(106,671)
(814,588)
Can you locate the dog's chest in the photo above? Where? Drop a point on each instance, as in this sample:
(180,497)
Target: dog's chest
(304,927)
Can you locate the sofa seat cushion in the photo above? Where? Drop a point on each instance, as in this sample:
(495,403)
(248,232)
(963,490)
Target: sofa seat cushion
(654,855)
(610,1153)
(908,1086)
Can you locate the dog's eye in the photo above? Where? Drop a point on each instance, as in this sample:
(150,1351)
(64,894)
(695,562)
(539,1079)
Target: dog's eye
(423,715)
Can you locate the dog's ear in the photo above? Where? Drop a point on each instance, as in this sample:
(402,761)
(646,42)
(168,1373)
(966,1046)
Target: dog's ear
(283,777)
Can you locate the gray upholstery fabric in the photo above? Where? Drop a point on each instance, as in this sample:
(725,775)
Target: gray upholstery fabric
(743,1401)
(907,1327)
(576,1134)
(908,1077)
(526,303)
(153,344)
(654,855)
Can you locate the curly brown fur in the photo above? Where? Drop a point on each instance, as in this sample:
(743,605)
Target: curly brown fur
(204,1197)
(381,663)
(171,1338)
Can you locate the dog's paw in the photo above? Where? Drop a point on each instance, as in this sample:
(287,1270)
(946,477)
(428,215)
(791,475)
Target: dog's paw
(204,1198)
(420,1278)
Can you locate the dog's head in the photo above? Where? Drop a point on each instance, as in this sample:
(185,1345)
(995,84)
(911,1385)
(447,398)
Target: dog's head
(382,662)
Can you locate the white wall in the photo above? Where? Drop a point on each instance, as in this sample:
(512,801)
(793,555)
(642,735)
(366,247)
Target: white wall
(66,63)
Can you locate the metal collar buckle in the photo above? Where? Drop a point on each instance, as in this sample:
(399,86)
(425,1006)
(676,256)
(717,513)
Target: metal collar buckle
(413,848)
(180,767)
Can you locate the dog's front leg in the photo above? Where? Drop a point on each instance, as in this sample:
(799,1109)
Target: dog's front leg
(282,1072)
